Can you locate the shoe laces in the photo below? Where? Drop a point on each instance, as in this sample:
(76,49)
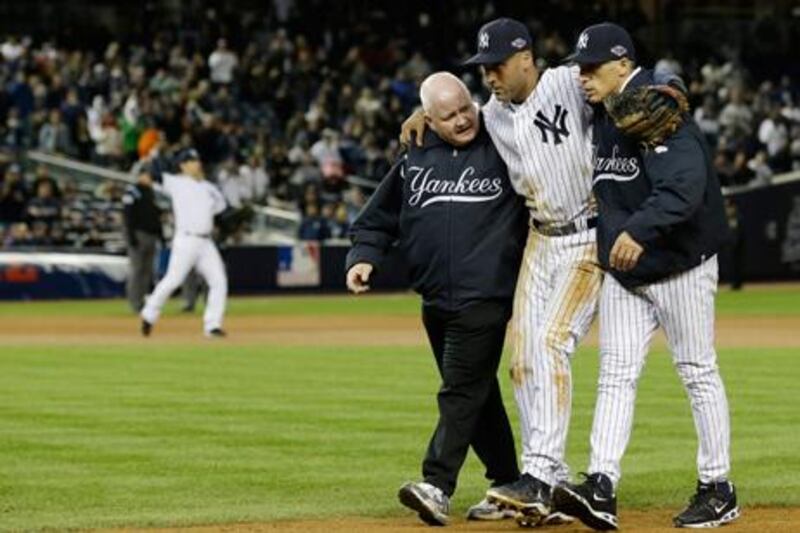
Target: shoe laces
(705,492)
(599,481)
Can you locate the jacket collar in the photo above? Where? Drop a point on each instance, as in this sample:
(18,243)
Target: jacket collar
(638,78)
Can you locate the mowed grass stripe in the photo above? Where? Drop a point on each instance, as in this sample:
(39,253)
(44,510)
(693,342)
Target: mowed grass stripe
(755,300)
(110,436)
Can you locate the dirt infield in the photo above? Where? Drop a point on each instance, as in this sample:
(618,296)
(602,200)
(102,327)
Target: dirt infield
(732,332)
(759,519)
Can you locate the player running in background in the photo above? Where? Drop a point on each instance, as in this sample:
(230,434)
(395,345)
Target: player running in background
(195,201)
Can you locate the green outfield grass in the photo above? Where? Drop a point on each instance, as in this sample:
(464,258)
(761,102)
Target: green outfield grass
(117,436)
(763,300)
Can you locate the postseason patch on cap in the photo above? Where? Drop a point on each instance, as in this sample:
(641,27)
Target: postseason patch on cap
(519,43)
(619,50)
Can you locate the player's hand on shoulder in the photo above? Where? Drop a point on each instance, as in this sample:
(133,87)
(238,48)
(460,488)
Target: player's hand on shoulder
(358,277)
(413,128)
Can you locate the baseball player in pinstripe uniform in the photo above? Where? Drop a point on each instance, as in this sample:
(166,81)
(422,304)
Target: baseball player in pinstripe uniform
(540,123)
(661,223)
(195,201)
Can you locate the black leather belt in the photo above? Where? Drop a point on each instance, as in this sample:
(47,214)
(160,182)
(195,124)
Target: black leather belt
(559,230)
(199,235)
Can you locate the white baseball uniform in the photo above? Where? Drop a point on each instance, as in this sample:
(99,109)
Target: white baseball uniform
(684,306)
(194,204)
(546,143)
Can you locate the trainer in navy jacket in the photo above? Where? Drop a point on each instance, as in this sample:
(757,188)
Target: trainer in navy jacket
(452,209)
(457,218)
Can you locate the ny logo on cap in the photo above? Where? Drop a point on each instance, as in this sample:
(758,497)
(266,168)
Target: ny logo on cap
(483,41)
(619,50)
(583,41)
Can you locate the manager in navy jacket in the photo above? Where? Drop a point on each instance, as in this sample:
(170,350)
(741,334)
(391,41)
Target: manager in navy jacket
(450,206)
(661,222)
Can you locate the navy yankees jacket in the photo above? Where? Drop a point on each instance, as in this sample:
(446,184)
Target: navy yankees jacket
(455,215)
(667,198)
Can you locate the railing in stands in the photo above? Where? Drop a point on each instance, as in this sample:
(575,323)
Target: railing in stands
(271,225)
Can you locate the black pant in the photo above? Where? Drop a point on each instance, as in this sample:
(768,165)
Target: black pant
(468,345)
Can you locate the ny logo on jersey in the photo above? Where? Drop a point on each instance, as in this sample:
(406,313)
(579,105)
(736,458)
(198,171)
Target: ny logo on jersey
(557,127)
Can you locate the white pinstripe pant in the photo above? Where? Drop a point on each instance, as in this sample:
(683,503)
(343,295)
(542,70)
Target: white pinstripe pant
(554,305)
(684,306)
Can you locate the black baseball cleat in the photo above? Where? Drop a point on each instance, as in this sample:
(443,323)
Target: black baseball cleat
(713,505)
(593,502)
(528,496)
(430,502)
(147,327)
(216,333)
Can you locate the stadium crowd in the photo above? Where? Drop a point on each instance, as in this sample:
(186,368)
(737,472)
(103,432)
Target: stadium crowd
(284,116)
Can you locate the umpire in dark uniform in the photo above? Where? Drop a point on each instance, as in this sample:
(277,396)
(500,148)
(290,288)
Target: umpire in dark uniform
(661,224)
(143,232)
(462,229)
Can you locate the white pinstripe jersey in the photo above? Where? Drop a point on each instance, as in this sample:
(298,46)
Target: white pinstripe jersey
(546,143)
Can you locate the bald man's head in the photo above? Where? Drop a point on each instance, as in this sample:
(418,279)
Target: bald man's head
(449,110)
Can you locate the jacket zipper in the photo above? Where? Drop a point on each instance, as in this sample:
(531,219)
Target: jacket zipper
(450,237)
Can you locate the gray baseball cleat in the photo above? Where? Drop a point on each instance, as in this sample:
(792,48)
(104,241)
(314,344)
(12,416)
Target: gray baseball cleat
(431,504)
(484,510)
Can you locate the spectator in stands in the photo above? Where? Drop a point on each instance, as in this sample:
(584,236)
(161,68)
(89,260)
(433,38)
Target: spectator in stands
(774,135)
(737,117)
(12,49)
(76,225)
(313,227)
(40,234)
(255,178)
(340,225)
(223,63)
(108,142)
(231,184)
(706,117)
(44,208)
(762,173)
(13,196)
(18,235)
(55,136)
(130,128)
(14,132)
(58,237)
(93,239)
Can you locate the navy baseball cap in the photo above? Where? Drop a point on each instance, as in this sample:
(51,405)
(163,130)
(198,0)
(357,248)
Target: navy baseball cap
(602,42)
(187,154)
(498,40)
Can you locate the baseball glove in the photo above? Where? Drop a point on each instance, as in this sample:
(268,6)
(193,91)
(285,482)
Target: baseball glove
(649,114)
